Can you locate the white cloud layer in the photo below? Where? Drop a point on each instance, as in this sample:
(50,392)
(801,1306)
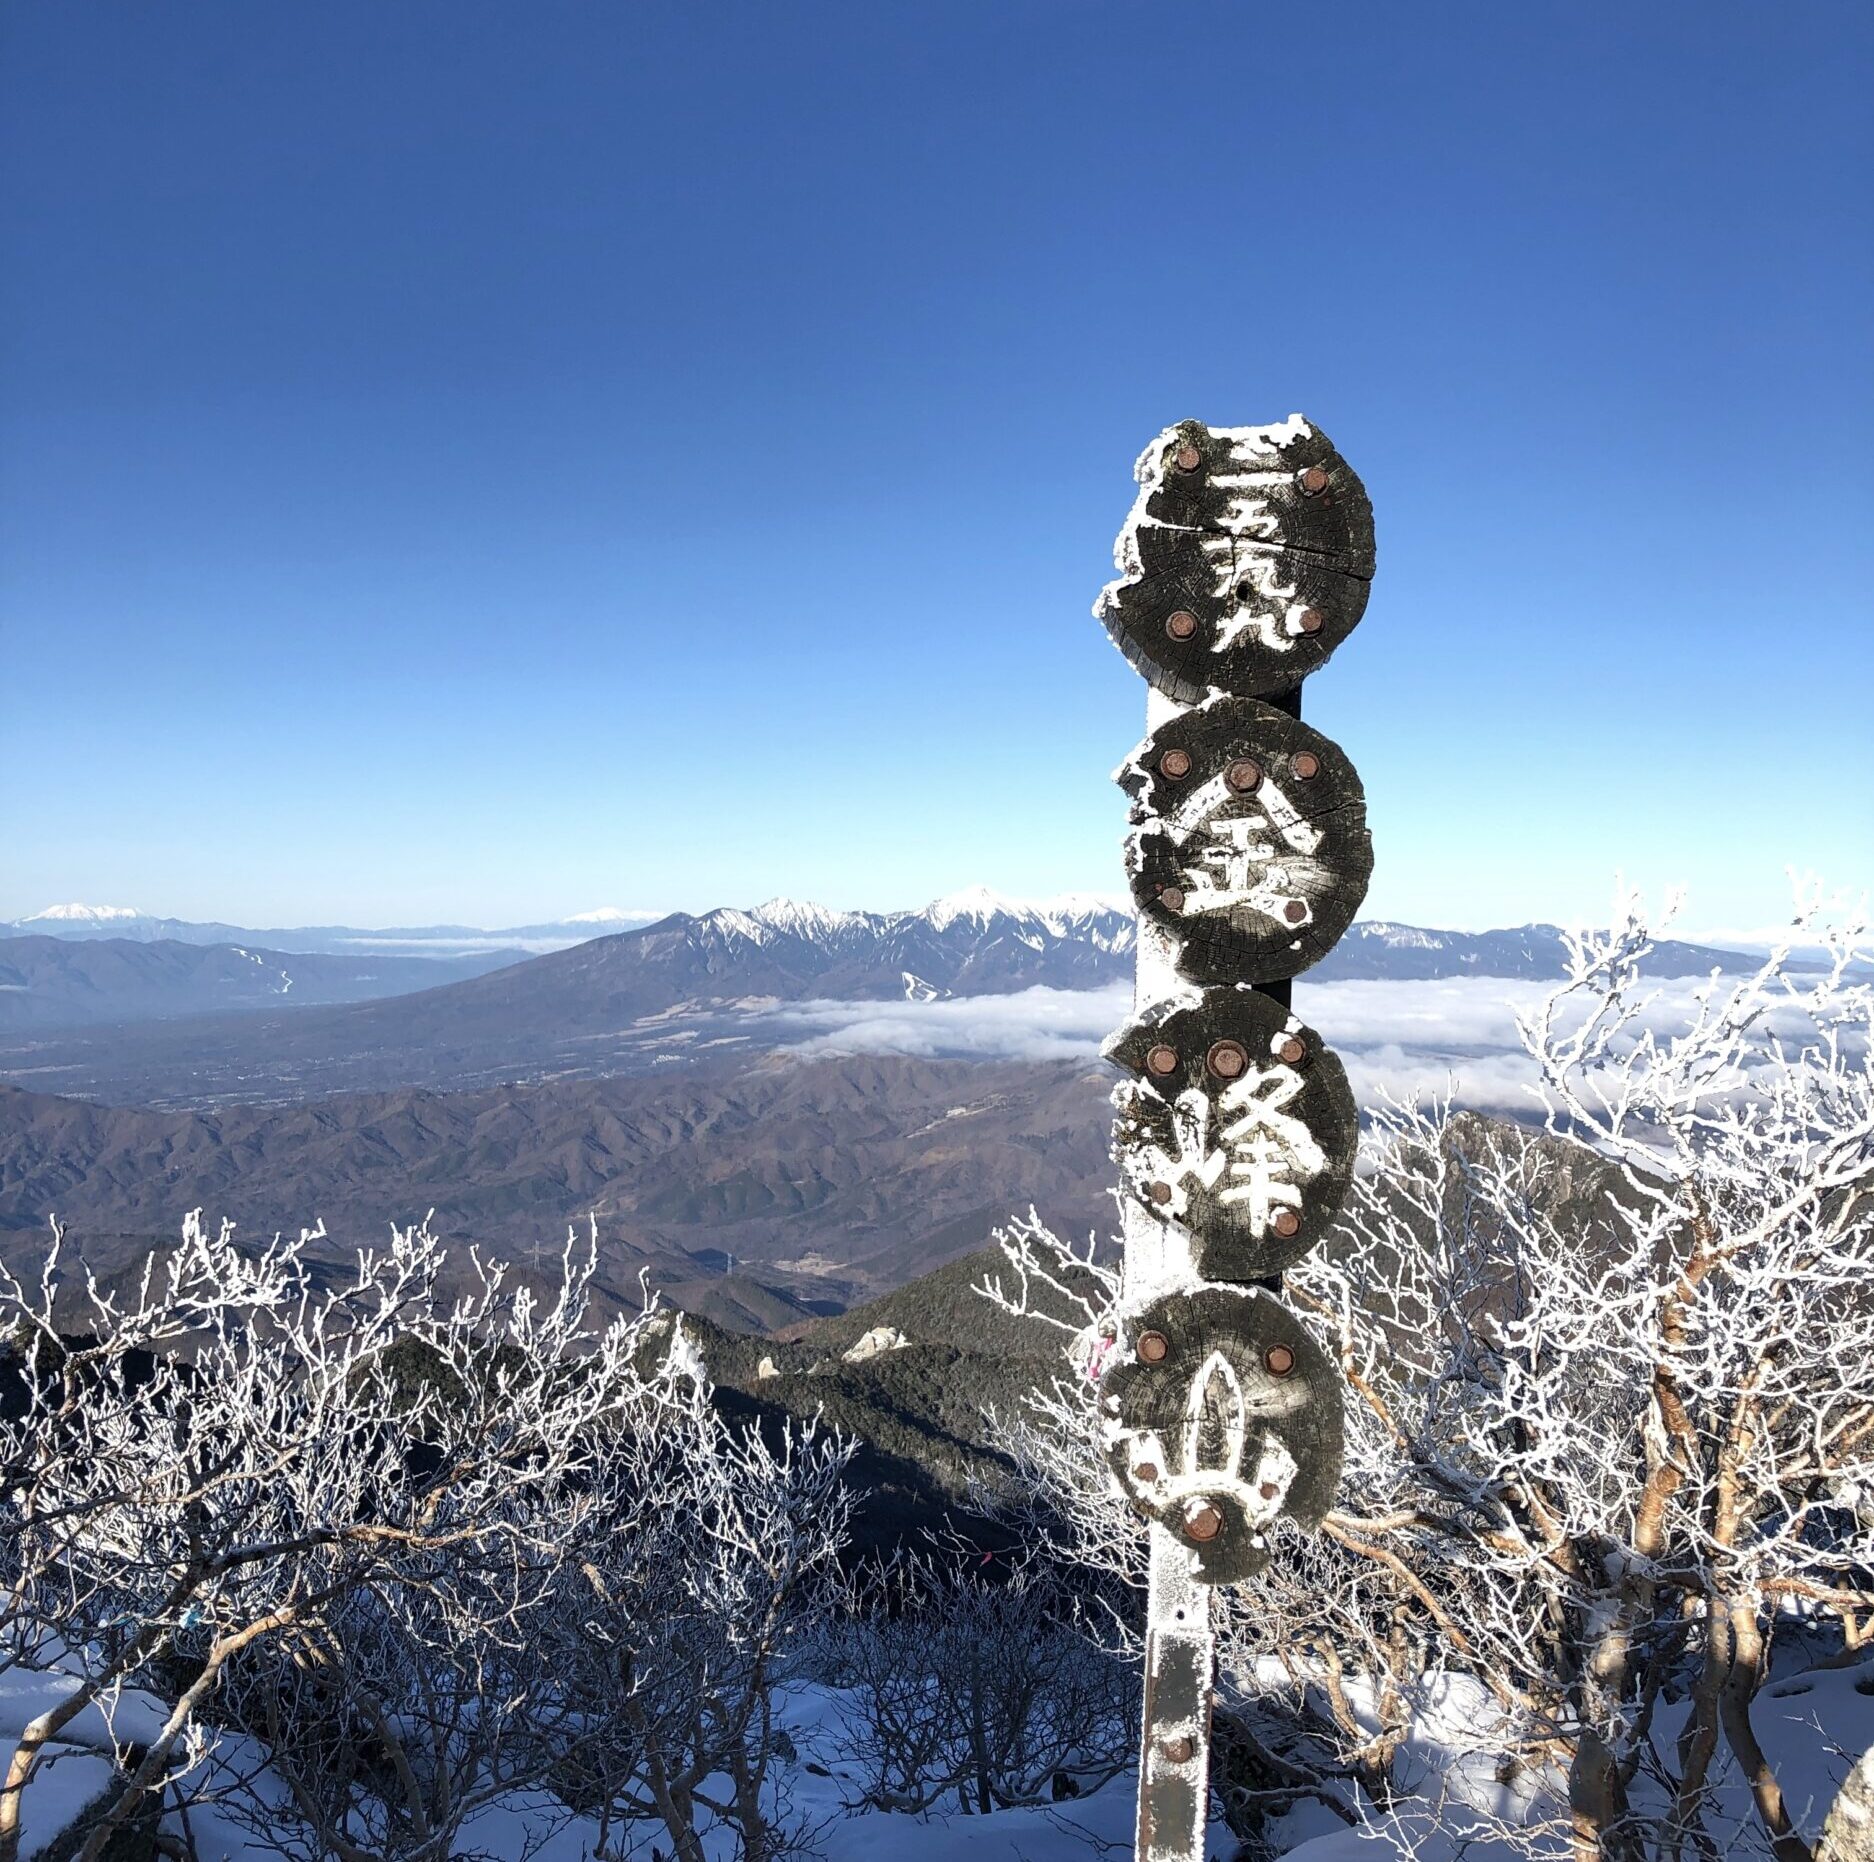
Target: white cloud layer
(1031,1024)
(1454,1035)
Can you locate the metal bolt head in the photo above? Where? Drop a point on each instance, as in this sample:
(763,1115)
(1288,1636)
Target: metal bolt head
(1176,764)
(1313,481)
(1159,1192)
(1145,1473)
(1307,765)
(1181,624)
(1187,458)
(1244,775)
(1279,1360)
(1286,1223)
(1294,911)
(1291,1053)
(1161,1060)
(1171,898)
(1228,1060)
(1154,1347)
(1179,1749)
(1202,1521)
(1312,620)
(1268,1490)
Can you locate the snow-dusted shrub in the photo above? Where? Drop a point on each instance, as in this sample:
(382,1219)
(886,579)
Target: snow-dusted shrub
(223,1470)
(982,1687)
(1610,1423)
(706,1556)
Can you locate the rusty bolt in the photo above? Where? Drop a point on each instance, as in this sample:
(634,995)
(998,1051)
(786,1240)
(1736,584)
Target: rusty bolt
(1227,1060)
(1202,1521)
(1279,1360)
(1307,765)
(1268,1490)
(1294,911)
(1179,1750)
(1291,1053)
(1159,1192)
(1312,620)
(1161,1059)
(1145,1472)
(1314,481)
(1176,764)
(1286,1223)
(1188,458)
(1244,775)
(1171,898)
(1154,1347)
(1181,623)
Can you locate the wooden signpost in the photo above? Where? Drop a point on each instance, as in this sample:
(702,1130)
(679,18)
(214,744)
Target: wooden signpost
(1244,563)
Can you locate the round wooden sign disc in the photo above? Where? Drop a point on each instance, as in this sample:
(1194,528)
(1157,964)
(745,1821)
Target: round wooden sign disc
(1236,1422)
(1245,562)
(1239,1125)
(1249,842)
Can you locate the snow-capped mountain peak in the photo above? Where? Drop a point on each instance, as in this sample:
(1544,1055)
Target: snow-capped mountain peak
(1066,914)
(802,917)
(82,914)
(976,903)
(1399,937)
(729,921)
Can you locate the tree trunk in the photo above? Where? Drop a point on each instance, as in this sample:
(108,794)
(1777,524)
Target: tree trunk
(1597,1804)
(1734,1710)
(1848,1835)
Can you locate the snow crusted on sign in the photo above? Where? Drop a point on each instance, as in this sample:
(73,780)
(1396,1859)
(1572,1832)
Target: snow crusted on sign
(1249,446)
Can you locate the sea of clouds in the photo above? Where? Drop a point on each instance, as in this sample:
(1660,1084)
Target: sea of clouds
(1455,1036)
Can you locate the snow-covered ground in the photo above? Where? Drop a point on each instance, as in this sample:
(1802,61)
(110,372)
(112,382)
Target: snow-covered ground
(1812,1725)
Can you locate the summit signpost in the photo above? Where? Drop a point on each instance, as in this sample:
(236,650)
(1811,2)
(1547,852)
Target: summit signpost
(1244,563)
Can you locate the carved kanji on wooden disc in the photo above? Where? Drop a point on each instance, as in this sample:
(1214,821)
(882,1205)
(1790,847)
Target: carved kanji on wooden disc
(1245,562)
(1249,843)
(1240,1126)
(1219,1414)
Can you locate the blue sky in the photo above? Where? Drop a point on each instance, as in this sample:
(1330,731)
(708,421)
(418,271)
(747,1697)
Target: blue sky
(477,462)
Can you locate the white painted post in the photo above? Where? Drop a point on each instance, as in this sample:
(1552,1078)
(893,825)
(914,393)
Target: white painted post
(1243,563)
(1174,1756)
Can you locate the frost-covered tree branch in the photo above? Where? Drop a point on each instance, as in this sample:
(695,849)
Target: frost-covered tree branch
(1610,1417)
(231,1459)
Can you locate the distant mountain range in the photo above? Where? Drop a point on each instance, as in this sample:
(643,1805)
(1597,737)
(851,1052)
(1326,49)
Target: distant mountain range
(65,982)
(635,1075)
(682,989)
(124,921)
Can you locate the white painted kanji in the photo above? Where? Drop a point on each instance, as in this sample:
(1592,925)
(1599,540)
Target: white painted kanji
(1243,552)
(1250,1150)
